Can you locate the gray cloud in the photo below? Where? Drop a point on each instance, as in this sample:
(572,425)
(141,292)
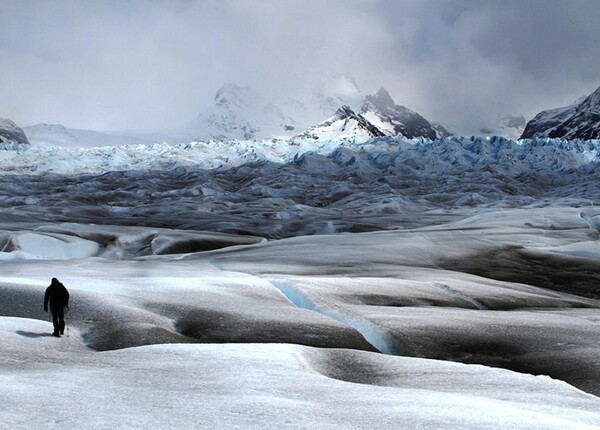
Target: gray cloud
(156,64)
(473,60)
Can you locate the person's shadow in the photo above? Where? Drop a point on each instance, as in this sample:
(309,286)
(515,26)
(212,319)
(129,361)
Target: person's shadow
(31,334)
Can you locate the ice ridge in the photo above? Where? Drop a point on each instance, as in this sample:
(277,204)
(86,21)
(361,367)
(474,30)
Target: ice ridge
(447,155)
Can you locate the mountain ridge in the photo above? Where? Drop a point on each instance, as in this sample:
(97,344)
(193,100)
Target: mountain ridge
(239,113)
(393,119)
(579,120)
(379,116)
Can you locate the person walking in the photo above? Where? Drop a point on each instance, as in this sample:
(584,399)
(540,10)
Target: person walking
(58,298)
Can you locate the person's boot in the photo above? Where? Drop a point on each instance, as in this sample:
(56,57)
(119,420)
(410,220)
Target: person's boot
(56,334)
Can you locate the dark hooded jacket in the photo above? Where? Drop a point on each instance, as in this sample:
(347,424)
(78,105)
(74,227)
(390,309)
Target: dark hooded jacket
(57,295)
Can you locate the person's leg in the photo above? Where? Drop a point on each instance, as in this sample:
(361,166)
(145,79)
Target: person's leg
(61,320)
(55,322)
(61,324)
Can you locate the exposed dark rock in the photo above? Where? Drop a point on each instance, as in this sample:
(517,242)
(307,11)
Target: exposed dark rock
(581,120)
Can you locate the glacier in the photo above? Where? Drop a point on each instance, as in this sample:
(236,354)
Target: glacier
(288,283)
(509,155)
(283,188)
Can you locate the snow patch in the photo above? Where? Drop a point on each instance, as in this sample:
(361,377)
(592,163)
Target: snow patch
(49,247)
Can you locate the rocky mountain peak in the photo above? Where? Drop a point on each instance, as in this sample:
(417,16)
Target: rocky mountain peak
(343,124)
(581,120)
(344,111)
(240,113)
(381,99)
(393,119)
(591,103)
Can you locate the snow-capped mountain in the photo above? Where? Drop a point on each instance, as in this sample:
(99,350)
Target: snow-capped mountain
(329,96)
(584,123)
(243,114)
(393,119)
(344,124)
(580,120)
(11,134)
(336,110)
(546,121)
(379,116)
(240,113)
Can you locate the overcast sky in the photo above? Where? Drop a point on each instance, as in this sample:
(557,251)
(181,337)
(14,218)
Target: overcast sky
(156,64)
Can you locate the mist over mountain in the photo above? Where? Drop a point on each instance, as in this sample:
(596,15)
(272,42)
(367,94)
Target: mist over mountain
(510,126)
(335,110)
(333,93)
(59,135)
(240,113)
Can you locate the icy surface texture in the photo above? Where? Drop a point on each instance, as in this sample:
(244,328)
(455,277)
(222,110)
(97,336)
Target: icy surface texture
(446,284)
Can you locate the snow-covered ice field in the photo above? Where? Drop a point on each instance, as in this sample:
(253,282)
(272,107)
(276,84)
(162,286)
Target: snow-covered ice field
(337,290)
